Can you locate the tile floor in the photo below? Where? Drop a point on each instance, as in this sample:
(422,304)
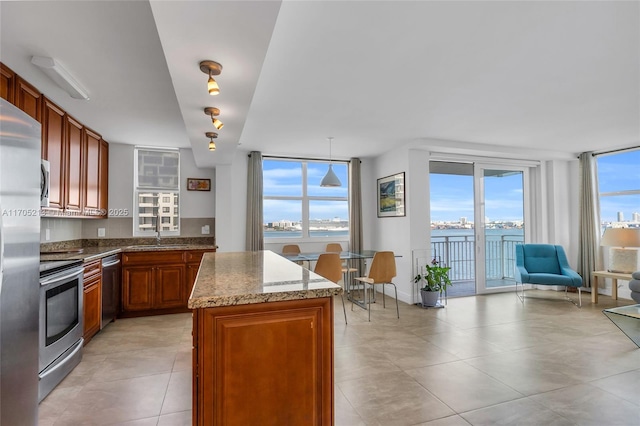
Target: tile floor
(483,360)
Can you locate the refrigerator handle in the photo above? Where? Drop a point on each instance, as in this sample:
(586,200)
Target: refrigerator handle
(1,249)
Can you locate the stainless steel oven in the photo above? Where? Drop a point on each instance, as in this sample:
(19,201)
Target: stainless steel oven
(60,322)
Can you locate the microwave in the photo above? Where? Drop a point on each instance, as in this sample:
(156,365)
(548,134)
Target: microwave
(44,183)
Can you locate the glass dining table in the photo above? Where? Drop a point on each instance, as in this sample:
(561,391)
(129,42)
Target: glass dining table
(350,257)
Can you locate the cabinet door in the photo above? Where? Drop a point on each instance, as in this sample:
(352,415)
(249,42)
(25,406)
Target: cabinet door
(137,285)
(73,165)
(7,83)
(53,149)
(92,172)
(92,307)
(169,287)
(103,178)
(28,99)
(280,353)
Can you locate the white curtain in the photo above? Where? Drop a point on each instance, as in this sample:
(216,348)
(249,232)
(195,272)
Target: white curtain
(255,238)
(589,244)
(355,212)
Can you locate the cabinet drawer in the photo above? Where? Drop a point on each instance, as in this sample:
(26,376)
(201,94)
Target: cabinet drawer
(92,268)
(152,258)
(195,256)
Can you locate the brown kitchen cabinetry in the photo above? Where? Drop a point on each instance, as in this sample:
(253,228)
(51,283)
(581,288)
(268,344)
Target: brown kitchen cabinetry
(7,83)
(157,282)
(96,174)
(238,351)
(78,157)
(92,299)
(54,150)
(28,99)
(74,160)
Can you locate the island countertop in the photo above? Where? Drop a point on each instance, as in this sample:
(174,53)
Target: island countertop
(240,278)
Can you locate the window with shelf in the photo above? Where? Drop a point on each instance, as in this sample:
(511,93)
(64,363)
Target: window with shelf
(295,206)
(156,192)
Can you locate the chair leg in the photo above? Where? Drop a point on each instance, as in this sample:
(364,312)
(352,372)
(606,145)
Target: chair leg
(517,295)
(384,304)
(397,307)
(344,309)
(567,298)
(368,302)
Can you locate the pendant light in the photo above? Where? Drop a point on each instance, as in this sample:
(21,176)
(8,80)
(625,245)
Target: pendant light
(211,136)
(330,179)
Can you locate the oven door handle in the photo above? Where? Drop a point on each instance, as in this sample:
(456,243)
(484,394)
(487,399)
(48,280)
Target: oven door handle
(60,278)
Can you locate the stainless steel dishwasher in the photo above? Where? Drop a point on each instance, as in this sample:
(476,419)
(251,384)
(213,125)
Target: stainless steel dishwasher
(111,273)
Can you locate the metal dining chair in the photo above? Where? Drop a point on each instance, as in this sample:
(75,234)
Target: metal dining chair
(330,267)
(382,271)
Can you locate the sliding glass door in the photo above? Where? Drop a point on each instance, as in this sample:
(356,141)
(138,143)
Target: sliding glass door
(477,217)
(500,222)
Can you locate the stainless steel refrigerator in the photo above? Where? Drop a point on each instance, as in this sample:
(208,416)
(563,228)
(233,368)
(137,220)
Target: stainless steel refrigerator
(19,265)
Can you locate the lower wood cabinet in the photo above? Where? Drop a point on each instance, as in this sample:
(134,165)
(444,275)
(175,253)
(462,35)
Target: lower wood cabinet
(156,282)
(264,364)
(92,299)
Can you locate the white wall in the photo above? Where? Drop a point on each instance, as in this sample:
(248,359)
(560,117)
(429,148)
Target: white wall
(231,202)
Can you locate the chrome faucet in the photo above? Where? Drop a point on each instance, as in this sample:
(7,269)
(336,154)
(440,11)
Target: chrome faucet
(158,228)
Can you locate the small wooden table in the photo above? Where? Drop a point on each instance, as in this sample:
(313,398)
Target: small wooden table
(615,276)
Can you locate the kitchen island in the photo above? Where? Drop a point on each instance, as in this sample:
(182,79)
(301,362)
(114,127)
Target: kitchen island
(262,342)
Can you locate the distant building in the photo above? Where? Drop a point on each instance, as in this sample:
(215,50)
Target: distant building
(636,217)
(620,217)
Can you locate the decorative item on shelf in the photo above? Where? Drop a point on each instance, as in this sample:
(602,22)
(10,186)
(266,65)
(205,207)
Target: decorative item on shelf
(432,283)
(211,136)
(391,195)
(623,256)
(214,112)
(330,179)
(212,68)
(198,184)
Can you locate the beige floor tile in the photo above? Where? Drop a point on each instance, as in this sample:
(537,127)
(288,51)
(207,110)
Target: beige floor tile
(455,420)
(519,412)
(143,362)
(182,418)
(589,405)
(183,361)
(463,387)
(392,398)
(149,421)
(117,401)
(178,397)
(345,414)
(625,386)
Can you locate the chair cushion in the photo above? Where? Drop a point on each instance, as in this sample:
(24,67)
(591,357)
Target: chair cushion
(551,279)
(636,275)
(541,258)
(634,285)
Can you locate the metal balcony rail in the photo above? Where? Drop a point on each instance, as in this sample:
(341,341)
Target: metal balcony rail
(458,252)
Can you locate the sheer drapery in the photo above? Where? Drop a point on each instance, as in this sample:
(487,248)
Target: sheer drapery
(255,237)
(589,244)
(355,212)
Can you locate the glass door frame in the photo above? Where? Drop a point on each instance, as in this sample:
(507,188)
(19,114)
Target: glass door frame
(479,219)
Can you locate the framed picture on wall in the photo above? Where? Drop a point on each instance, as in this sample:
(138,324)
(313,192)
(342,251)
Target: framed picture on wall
(198,184)
(391,196)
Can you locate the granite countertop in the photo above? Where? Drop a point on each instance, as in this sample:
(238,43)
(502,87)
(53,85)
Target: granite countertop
(241,278)
(88,254)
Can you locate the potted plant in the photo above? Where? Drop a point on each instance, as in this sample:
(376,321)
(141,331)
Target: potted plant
(433,281)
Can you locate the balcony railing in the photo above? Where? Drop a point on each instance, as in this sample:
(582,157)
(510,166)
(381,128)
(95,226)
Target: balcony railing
(458,252)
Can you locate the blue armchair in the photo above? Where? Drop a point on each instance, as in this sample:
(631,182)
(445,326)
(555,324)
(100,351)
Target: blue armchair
(545,264)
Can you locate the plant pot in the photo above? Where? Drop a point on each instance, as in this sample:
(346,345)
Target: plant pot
(429,298)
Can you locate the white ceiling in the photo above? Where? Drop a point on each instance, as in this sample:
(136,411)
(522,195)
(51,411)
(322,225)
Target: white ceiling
(561,77)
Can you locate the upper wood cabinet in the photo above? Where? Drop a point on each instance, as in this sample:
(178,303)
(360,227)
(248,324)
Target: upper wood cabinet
(78,157)
(74,160)
(28,99)
(7,83)
(53,150)
(96,174)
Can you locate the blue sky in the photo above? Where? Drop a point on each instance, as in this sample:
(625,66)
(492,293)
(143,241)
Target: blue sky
(619,172)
